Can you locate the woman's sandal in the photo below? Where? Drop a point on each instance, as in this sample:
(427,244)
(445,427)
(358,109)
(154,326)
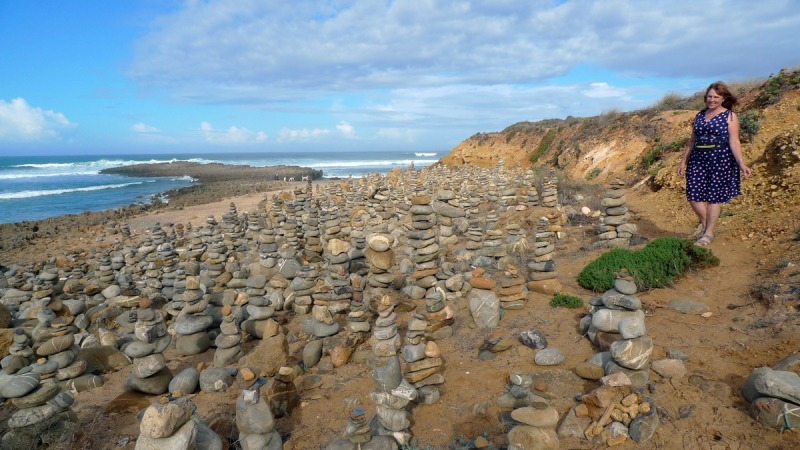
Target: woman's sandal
(698,232)
(704,241)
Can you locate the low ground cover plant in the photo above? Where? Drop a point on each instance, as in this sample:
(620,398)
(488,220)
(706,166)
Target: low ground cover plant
(656,265)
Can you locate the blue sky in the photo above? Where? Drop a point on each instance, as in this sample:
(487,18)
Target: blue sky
(148,76)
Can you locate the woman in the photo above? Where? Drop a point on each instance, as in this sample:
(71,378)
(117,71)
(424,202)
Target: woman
(712,160)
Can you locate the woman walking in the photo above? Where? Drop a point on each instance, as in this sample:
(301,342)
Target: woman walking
(712,160)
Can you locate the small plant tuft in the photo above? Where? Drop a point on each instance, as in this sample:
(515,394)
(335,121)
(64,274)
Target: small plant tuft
(749,124)
(594,173)
(567,301)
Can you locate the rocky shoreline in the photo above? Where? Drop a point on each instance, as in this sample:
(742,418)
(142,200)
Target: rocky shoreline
(216,182)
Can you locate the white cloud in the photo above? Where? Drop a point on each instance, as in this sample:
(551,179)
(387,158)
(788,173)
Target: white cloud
(603,90)
(231,136)
(142,128)
(234,51)
(346,129)
(286,135)
(19,121)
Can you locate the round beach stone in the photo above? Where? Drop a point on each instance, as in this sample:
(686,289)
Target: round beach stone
(82,383)
(149,365)
(589,371)
(215,380)
(526,437)
(227,356)
(538,417)
(625,286)
(669,368)
(39,396)
(154,385)
(632,353)
(186,381)
(31,416)
(20,385)
(549,357)
(378,242)
(192,323)
(162,420)
(227,340)
(56,345)
(193,344)
(183,438)
(73,370)
(533,338)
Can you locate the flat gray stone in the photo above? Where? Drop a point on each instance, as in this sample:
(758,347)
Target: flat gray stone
(549,357)
(687,306)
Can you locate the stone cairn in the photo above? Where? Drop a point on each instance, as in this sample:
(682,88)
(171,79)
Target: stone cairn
(173,424)
(193,320)
(774,395)
(229,340)
(423,362)
(537,420)
(150,373)
(550,191)
(380,258)
(483,303)
(614,229)
(385,340)
(542,266)
(392,393)
(255,422)
(617,327)
(512,289)
(41,416)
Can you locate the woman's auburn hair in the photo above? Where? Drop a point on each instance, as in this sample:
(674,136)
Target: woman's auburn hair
(728,99)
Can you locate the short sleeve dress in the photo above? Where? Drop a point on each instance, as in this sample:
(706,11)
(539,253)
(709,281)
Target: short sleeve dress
(712,176)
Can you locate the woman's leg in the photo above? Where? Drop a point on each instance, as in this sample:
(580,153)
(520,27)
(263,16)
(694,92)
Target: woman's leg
(712,216)
(701,209)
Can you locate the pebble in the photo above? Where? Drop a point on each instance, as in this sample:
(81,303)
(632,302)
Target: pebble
(216,380)
(589,371)
(669,368)
(538,417)
(533,338)
(185,381)
(163,420)
(549,357)
(687,306)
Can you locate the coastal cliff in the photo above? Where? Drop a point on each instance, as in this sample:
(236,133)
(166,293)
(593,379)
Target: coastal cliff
(644,148)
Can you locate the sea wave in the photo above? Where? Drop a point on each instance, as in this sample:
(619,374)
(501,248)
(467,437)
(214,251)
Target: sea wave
(84,168)
(366,164)
(29,194)
(424,154)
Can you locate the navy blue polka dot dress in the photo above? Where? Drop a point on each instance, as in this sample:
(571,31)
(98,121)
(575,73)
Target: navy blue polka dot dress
(712,176)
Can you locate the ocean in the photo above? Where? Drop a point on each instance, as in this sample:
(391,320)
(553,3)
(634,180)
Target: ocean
(38,187)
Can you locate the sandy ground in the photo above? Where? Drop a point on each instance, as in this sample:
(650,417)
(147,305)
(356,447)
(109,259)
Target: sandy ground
(703,410)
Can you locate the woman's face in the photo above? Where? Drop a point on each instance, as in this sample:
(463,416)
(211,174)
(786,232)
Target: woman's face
(713,100)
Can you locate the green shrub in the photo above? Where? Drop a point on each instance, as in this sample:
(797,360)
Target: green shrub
(749,124)
(594,173)
(656,265)
(543,146)
(659,150)
(567,301)
(772,90)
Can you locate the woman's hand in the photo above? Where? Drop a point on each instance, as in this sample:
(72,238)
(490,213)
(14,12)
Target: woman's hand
(682,168)
(745,170)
